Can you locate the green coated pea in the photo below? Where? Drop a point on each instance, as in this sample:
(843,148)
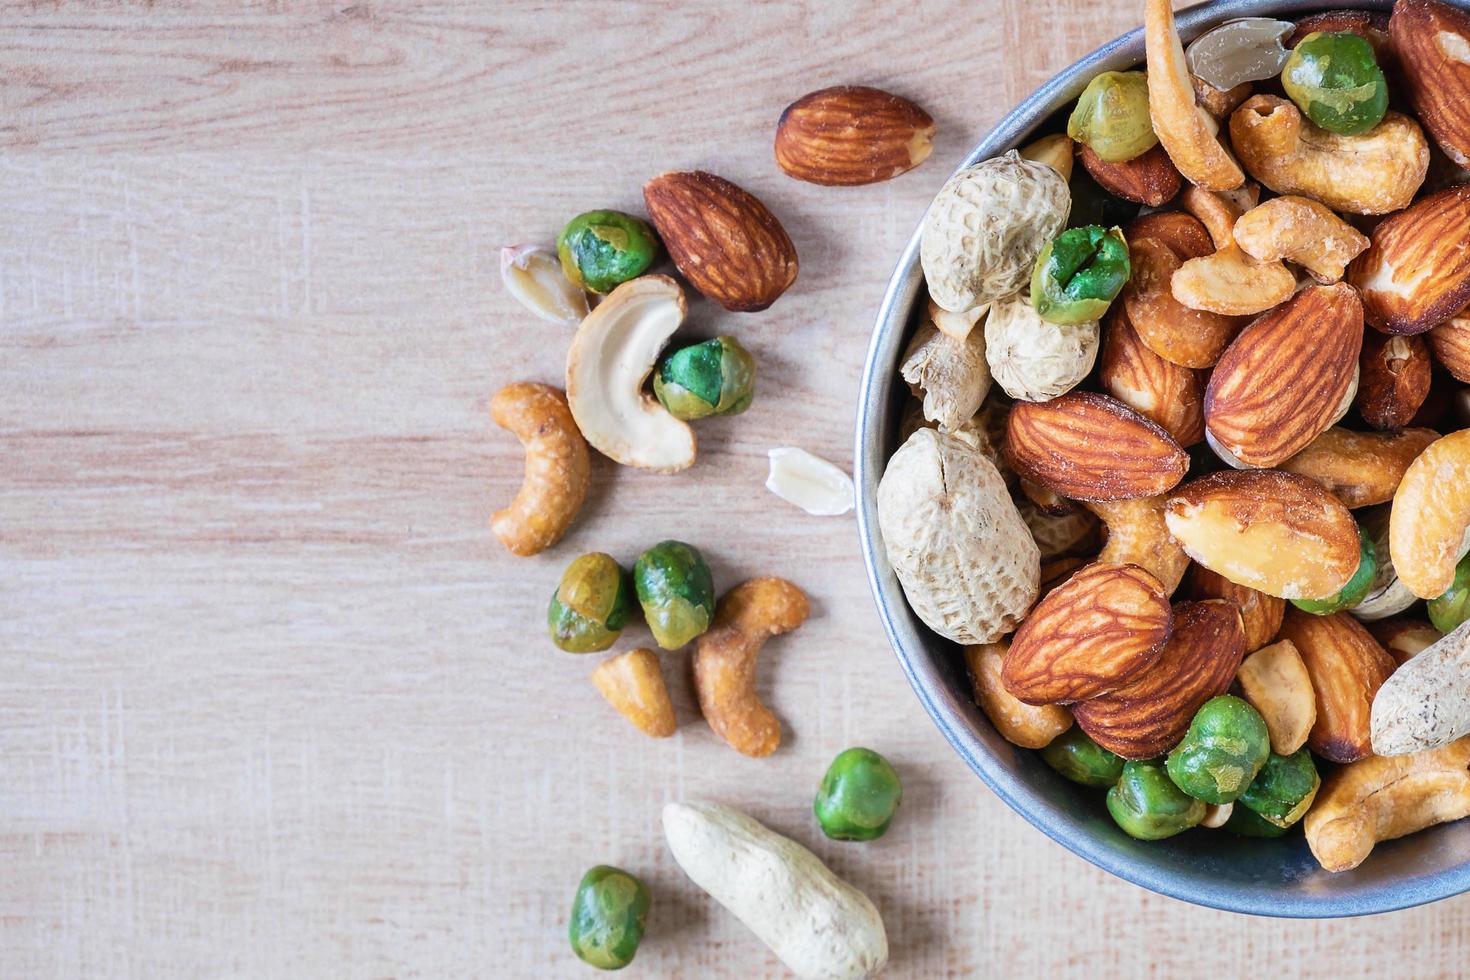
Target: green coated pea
(608,917)
(1453,608)
(1147,805)
(1226,745)
(600,249)
(716,377)
(1334,79)
(676,591)
(1079,273)
(1357,587)
(1080,759)
(858,796)
(1112,116)
(1245,822)
(590,605)
(1284,790)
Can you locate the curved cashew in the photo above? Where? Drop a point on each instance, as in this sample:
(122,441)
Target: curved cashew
(557,467)
(1380,798)
(1302,231)
(1374,173)
(1429,527)
(725,656)
(633,684)
(1056,151)
(1229,282)
(1189,133)
(1137,535)
(1031,726)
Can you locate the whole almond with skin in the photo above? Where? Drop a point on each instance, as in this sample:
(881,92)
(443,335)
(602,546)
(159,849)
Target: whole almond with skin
(1182,232)
(1157,389)
(1149,179)
(852,134)
(1094,634)
(722,239)
(1432,41)
(1416,271)
(1285,378)
(1088,446)
(1347,667)
(1274,532)
(1360,468)
(1149,716)
(1189,338)
(1260,614)
(1393,379)
(1450,342)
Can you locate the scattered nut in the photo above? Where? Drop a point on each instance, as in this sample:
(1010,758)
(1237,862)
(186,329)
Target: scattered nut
(1301,231)
(1404,639)
(1031,359)
(532,274)
(1216,816)
(1347,667)
(1276,683)
(1155,388)
(951,376)
(1429,531)
(725,656)
(1228,281)
(852,134)
(1360,468)
(1450,342)
(1425,704)
(1055,151)
(1433,41)
(557,467)
(1382,798)
(1149,179)
(810,482)
(1260,613)
(1028,725)
(1416,272)
(966,560)
(633,684)
(1181,335)
(1187,132)
(1137,535)
(1395,374)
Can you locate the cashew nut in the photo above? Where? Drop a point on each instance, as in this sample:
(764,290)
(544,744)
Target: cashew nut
(1373,173)
(1429,529)
(1229,282)
(1360,468)
(1137,535)
(1188,132)
(1302,231)
(1383,797)
(725,656)
(634,685)
(557,467)
(1031,726)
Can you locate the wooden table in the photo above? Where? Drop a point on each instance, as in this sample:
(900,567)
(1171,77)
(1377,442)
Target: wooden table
(275,703)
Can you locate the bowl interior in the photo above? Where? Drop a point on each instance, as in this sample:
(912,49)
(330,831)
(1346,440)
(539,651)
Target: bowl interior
(1268,877)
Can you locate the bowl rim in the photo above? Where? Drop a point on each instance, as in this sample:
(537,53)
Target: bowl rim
(874,421)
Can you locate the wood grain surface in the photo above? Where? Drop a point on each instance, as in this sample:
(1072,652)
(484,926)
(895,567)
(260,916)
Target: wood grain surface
(274,702)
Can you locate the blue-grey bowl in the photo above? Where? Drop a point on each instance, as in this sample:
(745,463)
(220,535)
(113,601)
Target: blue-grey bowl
(1210,868)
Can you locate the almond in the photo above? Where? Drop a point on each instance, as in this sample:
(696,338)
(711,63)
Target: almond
(851,134)
(1360,468)
(1416,272)
(1432,41)
(1277,533)
(1371,25)
(722,239)
(1183,233)
(1088,446)
(1404,638)
(1148,717)
(1347,667)
(1260,614)
(1394,373)
(1157,389)
(1149,179)
(1287,377)
(1450,342)
(1189,338)
(1096,633)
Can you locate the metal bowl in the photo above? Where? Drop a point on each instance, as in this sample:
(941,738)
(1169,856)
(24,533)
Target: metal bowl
(1210,868)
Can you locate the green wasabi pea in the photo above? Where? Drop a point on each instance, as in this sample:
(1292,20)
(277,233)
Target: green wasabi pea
(1080,759)
(1079,273)
(1453,608)
(590,605)
(677,592)
(1335,81)
(858,796)
(600,249)
(1357,587)
(1147,804)
(609,914)
(1112,116)
(1284,790)
(716,377)
(1225,747)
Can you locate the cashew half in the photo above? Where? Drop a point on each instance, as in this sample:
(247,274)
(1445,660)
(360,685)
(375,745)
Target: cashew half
(611,355)
(1229,282)
(1374,173)
(1302,231)
(725,657)
(1188,132)
(633,684)
(1137,535)
(557,467)
(1276,683)
(1429,528)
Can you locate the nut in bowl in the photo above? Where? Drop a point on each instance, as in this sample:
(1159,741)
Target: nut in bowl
(1309,440)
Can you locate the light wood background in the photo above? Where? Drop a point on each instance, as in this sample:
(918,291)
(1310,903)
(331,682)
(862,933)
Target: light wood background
(273,701)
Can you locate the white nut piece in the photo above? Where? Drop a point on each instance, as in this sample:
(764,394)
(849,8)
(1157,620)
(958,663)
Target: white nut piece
(820,926)
(1300,231)
(964,556)
(611,356)
(1217,815)
(1034,360)
(1426,702)
(818,487)
(950,375)
(532,274)
(986,227)
(956,325)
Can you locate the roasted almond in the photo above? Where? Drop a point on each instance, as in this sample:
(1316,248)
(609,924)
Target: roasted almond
(1094,634)
(1277,533)
(1347,667)
(1371,25)
(1404,638)
(852,134)
(1286,378)
(1394,373)
(1416,272)
(1149,716)
(1432,42)
(1182,232)
(1450,342)
(1360,468)
(1088,446)
(1150,179)
(1189,338)
(1157,389)
(1260,614)
(722,239)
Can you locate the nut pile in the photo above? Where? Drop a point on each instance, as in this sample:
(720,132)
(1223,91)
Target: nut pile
(1188,479)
